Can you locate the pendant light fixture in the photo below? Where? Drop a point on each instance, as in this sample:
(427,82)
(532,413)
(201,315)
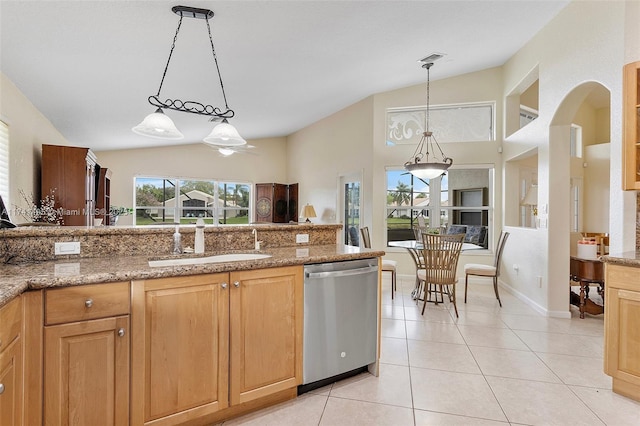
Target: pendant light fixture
(420,165)
(159,125)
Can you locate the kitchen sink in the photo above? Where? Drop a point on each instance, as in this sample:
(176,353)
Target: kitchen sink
(219,258)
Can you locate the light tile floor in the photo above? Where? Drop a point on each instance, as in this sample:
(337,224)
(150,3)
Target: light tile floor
(490,366)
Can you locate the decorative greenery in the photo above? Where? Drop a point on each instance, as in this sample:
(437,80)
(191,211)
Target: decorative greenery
(45,211)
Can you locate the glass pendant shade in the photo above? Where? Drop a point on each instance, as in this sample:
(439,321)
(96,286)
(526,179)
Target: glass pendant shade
(158,125)
(225,151)
(224,134)
(427,170)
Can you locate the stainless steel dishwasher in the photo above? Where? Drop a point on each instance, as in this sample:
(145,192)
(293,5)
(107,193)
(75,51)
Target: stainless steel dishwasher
(340,318)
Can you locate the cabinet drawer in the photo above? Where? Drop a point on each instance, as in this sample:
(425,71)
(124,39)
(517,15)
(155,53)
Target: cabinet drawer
(86,302)
(10,320)
(624,277)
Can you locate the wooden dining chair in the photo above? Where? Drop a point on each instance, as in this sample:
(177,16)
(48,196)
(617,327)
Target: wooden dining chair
(387,265)
(440,254)
(492,271)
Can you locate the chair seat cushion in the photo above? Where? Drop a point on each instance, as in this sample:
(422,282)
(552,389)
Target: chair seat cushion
(478,269)
(389,265)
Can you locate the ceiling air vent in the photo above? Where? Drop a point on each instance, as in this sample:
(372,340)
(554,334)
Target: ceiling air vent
(431,58)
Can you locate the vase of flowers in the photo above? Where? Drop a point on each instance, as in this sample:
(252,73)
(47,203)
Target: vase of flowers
(42,213)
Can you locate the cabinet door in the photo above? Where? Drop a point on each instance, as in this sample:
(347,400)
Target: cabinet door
(266,332)
(180,348)
(86,373)
(11,384)
(622,334)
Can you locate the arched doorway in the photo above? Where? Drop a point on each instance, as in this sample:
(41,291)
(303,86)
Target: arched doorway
(578,189)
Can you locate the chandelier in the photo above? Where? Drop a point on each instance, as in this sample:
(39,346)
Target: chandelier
(159,125)
(420,165)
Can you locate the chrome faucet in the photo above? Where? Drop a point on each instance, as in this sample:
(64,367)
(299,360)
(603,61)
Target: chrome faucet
(256,243)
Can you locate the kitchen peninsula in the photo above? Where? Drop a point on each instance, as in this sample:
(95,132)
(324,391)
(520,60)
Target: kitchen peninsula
(108,314)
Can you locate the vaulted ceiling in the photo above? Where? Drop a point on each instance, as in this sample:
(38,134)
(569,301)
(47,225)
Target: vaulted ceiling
(89,66)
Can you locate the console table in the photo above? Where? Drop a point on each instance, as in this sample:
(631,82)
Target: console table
(586,272)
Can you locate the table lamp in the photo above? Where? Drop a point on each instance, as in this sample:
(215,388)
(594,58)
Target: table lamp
(531,199)
(308,211)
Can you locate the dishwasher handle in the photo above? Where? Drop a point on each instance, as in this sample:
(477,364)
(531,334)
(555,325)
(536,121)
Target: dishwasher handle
(343,273)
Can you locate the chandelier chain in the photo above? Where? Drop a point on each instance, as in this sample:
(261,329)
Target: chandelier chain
(173,46)
(215,59)
(193,107)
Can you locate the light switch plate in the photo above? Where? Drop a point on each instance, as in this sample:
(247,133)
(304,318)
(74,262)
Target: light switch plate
(69,247)
(302,238)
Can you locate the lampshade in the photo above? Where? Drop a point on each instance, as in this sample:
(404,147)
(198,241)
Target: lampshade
(427,170)
(158,125)
(308,211)
(224,134)
(531,199)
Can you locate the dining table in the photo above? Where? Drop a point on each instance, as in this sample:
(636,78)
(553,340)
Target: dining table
(415,245)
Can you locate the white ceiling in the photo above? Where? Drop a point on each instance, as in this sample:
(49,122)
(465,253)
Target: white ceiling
(89,66)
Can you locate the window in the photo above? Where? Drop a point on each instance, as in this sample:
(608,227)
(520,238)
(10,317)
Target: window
(4,163)
(575,148)
(450,123)
(174,200)
(460,197)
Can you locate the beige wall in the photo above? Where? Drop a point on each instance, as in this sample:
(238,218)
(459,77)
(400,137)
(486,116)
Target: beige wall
(565,60)
(264,163)
(28,130)
(335,146)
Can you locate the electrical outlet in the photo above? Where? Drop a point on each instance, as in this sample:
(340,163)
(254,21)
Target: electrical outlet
(539,282)
(302,238)
(69,247)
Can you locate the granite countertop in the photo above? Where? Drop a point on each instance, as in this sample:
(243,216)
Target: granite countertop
(16,279)
(629,258)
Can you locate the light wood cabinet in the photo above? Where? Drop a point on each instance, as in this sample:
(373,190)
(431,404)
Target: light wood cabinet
(11,363)
(179,349)
(622,329)
(631,126)
(87,373)
(86,361)
(266,332)
(207,345)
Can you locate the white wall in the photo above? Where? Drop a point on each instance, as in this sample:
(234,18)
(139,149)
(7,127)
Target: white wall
(597,191)
(28,130)
(564,53)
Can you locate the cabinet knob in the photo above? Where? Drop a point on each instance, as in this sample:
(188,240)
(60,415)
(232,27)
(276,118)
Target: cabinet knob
(88,303)
(121,332)
(236,284)
(224,285)
(1,388)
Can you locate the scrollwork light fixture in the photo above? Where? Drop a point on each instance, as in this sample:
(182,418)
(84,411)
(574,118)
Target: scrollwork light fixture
(419,164)
(159,125)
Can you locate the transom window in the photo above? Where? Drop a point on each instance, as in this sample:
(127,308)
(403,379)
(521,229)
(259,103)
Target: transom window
(175,200)
(472,122)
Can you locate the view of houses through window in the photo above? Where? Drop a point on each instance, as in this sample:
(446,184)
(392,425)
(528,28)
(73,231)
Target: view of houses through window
(174,200)
(457,202)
